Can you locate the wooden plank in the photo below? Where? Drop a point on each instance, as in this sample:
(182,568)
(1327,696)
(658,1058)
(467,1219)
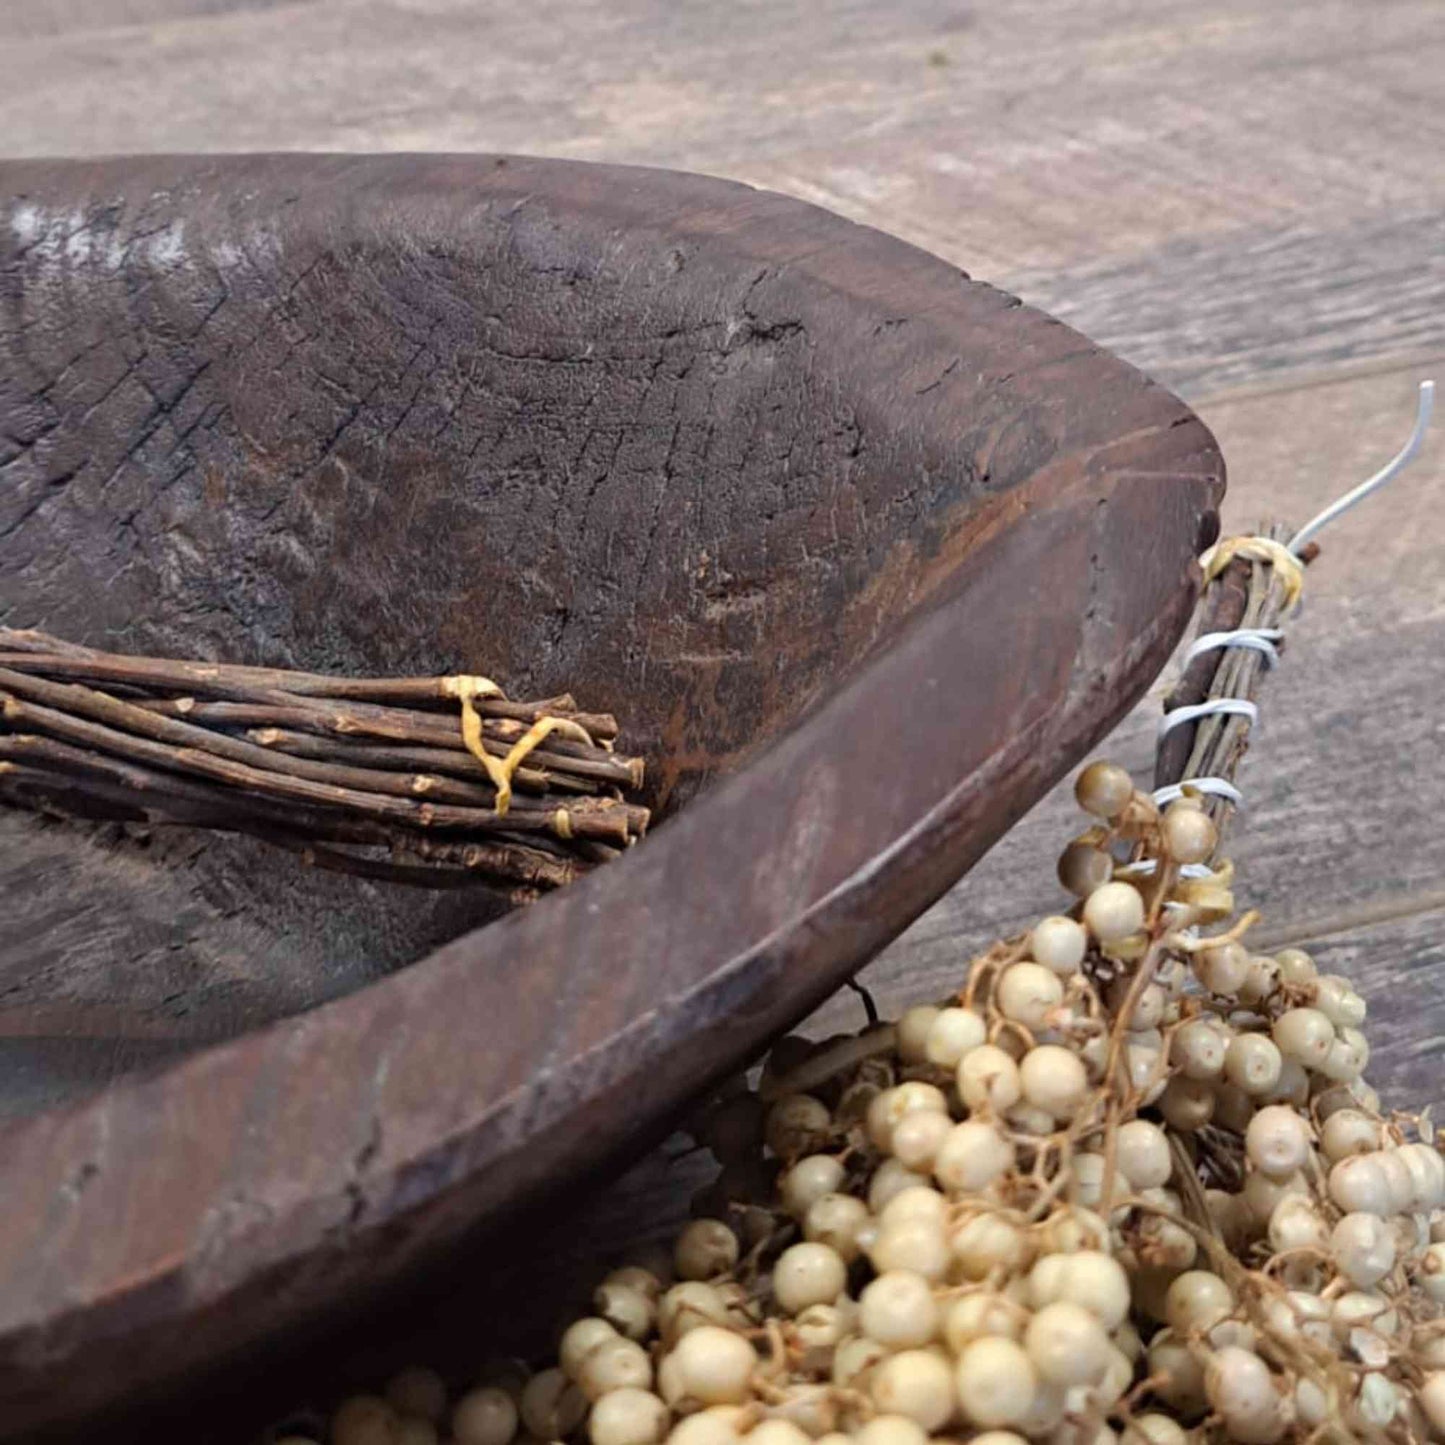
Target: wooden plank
(1260,305)
(1069,166)
(1140,171)
(1038,134)
(23,20)
(1398,965)
(1219,195)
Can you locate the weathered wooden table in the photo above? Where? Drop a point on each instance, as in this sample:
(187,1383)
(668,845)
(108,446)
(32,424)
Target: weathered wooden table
(1246,199)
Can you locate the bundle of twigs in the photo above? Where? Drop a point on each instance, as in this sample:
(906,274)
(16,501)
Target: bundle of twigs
(437,781)
(1247,593)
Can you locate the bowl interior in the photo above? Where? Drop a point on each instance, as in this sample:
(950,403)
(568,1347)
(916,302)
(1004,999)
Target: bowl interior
(795,500)
(519,440)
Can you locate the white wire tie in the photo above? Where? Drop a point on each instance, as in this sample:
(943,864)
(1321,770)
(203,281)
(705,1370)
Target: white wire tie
(1424,404)
(1258,639)
(1262,639)
(1215,707)
(1145,867)
(1216,787)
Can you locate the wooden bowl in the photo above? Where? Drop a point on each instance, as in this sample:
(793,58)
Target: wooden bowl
(863,553)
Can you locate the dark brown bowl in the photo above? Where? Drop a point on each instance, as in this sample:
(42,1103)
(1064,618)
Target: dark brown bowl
(865,554)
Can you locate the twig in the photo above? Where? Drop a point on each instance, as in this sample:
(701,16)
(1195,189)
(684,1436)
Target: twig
(600,818)
(386,870)
(1248,594)
(75,775)
(356,774)
(61,793)
(358,720)
(1221,610)
(1221,740)
(27,639)
(326,748)
(230,680)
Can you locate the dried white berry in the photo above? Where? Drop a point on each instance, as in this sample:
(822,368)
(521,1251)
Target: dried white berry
(835,1220)
(1067,1344)
(715,1366)
(1088,1278)
(705,1248)
(973,1155)
(485,1416)
(916,1384)
(808,1274)
(1197,1300)
(1028,992)
(898,1310)
(808,1181)
(552,1406)
(1277,1141)
(1241,1388)
(1058,944)
(1114,912)
(628,1417)
(996,1381)
(952,1034)
(1054,1080)
(1143,1154)
(911,1033)
(988,1079)
(1363,1249)
(1304,1035)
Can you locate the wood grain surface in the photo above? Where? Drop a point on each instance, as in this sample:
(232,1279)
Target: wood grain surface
(1025,134)
(1246,199)
(775,486)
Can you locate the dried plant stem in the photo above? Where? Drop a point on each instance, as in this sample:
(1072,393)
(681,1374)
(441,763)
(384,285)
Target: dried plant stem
(73,775)
(399,779)
(456,763)
(361,721)
(1220,741)
(1220,610)
(216,679)
(1248,594)
(385,870)
(593,818)
(169,744)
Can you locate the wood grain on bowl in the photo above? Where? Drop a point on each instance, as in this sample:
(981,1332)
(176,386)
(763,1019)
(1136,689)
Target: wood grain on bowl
(866,553)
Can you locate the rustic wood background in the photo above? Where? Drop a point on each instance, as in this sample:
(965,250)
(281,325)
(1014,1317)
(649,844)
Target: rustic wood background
(1246,199)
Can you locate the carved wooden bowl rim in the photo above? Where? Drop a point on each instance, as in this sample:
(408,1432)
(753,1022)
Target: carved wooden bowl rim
(180,1216)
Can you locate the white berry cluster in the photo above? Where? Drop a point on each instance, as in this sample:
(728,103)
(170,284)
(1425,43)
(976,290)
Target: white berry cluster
(1128,1185)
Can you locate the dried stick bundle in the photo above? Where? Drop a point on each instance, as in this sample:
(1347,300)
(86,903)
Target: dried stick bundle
(1249,594)
(434,781)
